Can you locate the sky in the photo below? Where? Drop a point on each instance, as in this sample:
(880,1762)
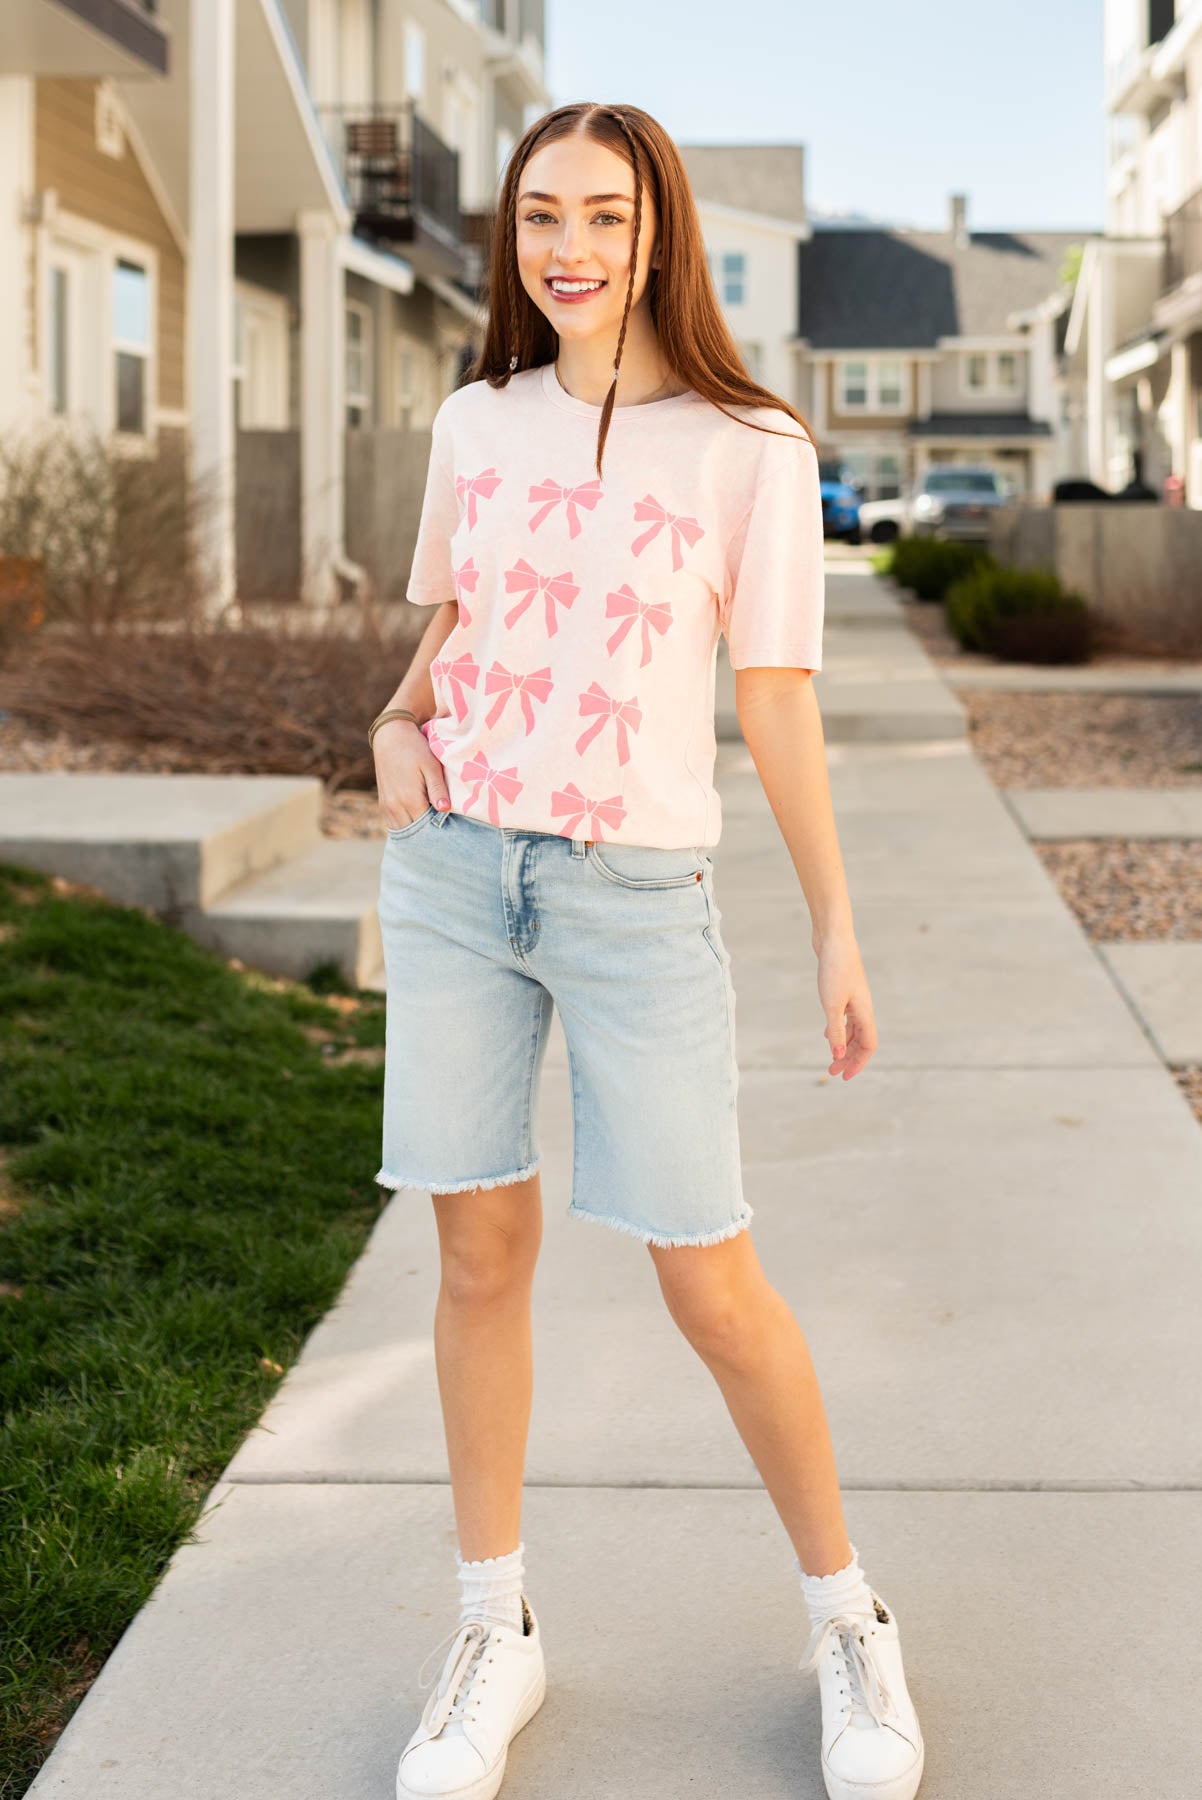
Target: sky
(898,105)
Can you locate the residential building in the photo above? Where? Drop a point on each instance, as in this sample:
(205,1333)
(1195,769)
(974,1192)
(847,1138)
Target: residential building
(1135,334)
(939,346)
(258,223)
(900,347)
(752,206)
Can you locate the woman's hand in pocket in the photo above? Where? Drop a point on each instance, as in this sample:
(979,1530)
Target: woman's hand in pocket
(409,777)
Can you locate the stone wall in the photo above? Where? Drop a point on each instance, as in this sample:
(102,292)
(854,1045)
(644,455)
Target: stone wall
(1138,566)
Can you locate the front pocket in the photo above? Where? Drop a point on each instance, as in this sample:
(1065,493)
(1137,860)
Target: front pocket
(645,865)
(404,831)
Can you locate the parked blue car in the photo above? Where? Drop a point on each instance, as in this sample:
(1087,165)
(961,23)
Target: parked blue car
(840,501)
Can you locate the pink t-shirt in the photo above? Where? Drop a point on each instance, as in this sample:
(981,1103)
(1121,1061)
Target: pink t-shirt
(575,694)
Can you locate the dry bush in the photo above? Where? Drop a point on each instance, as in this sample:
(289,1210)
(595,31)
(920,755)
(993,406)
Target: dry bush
(112,532)
(294,697)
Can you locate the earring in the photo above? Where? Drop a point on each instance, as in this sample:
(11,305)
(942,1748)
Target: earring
(513,363)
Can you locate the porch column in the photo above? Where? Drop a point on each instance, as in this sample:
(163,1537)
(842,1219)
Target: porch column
(16,190)
(210,330)
(322,405)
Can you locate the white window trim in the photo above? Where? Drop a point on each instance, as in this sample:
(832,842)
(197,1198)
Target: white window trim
(993,389)
(85,238)
(872,402)
(353,397)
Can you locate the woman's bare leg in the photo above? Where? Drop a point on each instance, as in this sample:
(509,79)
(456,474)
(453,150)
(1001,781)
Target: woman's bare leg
(748,1338)
(489,1241)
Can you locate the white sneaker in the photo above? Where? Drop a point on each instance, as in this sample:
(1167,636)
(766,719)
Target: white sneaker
(493,1681)
(872,1746)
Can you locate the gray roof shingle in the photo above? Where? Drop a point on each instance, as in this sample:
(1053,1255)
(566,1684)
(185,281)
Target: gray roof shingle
(760,178)
(902,290)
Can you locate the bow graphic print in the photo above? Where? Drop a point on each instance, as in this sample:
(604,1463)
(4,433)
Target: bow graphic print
(627,606)
(501,783)
(587,494)
(599,812)
(531,687)
(556,589)
(682,527)
(624,712)
(465,577)
(463,672)
(485,485)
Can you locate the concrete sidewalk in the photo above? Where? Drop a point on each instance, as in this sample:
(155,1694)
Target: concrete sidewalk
(991,1238)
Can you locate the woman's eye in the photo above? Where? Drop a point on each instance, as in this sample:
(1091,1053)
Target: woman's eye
(538,217)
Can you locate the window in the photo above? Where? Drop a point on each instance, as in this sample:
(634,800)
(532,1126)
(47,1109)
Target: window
(734,278)
(991,372)
(131,345)
(358,364)
(877,386)
(415,61)
(58,349)
(854,390)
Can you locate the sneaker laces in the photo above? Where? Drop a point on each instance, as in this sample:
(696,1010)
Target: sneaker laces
(447,1702)
(869,1690)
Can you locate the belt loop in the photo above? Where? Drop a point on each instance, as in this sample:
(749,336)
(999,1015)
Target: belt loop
(577,848)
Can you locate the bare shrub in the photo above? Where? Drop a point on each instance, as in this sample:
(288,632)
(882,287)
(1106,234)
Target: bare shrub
(290,697)
(112,532)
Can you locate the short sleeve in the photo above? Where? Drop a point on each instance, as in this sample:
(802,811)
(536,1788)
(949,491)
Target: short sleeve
(773,606)
(430,579)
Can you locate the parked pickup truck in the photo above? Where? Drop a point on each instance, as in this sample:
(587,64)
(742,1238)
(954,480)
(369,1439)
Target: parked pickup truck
(954,500)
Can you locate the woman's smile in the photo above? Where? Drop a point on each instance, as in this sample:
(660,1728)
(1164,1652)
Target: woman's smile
(572,294)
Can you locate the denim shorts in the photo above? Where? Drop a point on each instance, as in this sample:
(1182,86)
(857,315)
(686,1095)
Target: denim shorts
(487,928)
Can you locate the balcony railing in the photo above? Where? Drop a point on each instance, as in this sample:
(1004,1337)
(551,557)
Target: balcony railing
(400,178)
(1183,242)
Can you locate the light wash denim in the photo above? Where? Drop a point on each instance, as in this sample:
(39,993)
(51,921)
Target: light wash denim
(486,928)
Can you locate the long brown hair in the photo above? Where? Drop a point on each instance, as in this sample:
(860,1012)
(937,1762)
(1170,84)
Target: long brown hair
(693,336)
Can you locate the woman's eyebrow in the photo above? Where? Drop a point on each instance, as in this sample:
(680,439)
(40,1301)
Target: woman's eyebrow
(589,199)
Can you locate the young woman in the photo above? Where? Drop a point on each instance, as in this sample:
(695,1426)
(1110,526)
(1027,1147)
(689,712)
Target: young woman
(608,492)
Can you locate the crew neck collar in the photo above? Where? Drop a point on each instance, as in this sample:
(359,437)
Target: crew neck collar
(556,392)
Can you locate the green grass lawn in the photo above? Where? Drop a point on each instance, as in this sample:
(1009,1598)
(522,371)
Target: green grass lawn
(187,1154)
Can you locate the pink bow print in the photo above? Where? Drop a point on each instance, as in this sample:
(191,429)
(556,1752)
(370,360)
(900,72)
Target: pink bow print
(502,782)
(627,606)
(432,738)
(555,588)
(485,485)
(465,577)
(600,812)
(623,712)
(463,672)
(688,529)
(500,679)
(587,493)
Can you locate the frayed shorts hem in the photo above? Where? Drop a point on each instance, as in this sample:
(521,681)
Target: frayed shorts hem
(384,1179)
(665,1240)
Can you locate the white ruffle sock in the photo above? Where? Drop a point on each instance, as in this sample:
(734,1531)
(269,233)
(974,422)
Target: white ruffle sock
(491,1589)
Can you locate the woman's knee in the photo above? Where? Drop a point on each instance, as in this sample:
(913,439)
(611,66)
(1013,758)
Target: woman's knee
(720,1310)
(488,1247)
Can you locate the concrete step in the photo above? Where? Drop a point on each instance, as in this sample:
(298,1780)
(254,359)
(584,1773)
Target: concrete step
(169,842)
(318,907)
(1165,812)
